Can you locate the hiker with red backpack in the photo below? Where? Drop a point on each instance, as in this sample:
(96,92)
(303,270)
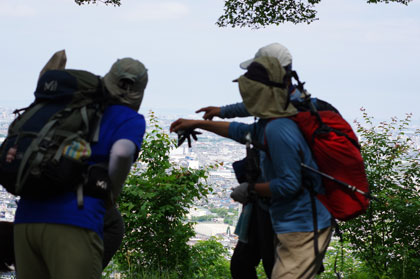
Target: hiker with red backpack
(264,90)
(59,234)
(254,227)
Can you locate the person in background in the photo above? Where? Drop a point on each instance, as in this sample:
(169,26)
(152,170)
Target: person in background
(266,96)
(254,228)
(250,250)
(54,238)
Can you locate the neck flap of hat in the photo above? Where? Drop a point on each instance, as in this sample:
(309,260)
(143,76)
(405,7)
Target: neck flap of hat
(263,90)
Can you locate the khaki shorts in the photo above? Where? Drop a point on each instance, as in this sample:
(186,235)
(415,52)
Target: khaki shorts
(295,254)
(54,251)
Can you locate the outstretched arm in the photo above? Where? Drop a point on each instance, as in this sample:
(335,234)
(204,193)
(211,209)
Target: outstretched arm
(209,112)
(234,110)
(220,128)
(228,111)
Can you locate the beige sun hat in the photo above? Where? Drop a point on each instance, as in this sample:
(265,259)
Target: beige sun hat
(126,81)
(276,50)
(263,91)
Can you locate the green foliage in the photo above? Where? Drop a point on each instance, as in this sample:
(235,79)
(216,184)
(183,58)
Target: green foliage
(340,258)
(106,2)
(228,215)
(387,237)
(405,2)
(228,220)
(241,13)
(261,13)
(140,272)
(221,212)
(154,203)
(204,218)
(260,271)
(210,260)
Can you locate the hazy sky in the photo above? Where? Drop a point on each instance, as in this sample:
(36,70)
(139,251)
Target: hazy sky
(356,55)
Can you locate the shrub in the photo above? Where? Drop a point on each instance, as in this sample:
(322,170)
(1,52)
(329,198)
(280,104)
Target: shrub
(154,203)
(387,237)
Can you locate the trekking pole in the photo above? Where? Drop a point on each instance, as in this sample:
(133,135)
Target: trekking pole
(348,186)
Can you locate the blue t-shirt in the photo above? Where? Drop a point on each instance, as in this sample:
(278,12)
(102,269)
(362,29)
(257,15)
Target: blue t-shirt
(290,209)
(118,122)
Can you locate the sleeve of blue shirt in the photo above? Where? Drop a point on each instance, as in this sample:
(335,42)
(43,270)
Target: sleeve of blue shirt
(238,131)
(234,110)
(133,130)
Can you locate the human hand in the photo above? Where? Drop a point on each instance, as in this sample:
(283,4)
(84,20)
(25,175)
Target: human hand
(182,124)
(209,112)
(240,193)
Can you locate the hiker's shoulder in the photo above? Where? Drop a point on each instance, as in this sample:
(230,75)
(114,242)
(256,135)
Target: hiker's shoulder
(120,117)
(122,112)
(281,130)
(280,125)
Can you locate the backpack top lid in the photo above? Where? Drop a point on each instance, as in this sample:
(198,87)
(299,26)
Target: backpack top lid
(62,84)
(264,90)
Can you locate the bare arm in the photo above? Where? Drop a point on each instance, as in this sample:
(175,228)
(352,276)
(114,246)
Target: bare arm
(220,128)
(120,161)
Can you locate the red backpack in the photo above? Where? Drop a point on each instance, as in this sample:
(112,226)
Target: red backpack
(336,151)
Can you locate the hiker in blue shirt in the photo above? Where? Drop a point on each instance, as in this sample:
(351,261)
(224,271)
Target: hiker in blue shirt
(266,97)
(55,238)
(254,226)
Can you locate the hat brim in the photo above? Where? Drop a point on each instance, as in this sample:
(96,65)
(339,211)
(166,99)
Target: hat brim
(110,85)
(244,65)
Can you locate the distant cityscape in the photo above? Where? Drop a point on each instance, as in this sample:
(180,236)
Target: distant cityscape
(7,201)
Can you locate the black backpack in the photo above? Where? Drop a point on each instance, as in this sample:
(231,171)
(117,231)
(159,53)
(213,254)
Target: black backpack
(48,145)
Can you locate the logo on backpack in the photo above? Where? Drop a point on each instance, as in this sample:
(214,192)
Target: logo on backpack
(51,86)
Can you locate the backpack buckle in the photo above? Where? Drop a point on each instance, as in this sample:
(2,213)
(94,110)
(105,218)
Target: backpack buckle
(44,145)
